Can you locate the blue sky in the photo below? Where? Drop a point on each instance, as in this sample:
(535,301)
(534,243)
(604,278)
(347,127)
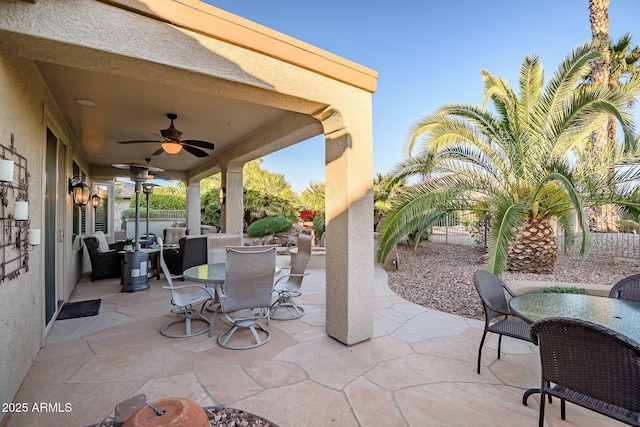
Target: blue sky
(427,53)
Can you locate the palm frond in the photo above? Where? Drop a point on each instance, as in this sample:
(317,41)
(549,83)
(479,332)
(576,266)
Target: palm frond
(407,214)
(508,217)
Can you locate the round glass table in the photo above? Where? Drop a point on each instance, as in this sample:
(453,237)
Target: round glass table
(210,273)
(206,273)
(621,315)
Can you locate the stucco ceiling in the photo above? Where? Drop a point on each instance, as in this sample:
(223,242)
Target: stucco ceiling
(130,109)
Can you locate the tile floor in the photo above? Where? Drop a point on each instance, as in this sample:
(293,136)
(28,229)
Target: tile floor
(419,369)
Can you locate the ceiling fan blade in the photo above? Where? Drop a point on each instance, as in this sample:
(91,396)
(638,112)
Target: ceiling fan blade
(196,143)
(162,176)
(158,152)
(195,151)
(138,141)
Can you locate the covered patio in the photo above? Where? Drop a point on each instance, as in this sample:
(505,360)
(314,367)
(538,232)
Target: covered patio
(419,368)
(78,77)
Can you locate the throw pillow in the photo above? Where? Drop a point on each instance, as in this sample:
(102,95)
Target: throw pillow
(103,246)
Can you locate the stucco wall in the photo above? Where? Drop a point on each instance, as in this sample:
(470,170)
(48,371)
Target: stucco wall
(21,299)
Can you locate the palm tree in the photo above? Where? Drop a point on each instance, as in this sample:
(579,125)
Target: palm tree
(624,62)
(313,197)
(525,163)
(385,189)
(599,18)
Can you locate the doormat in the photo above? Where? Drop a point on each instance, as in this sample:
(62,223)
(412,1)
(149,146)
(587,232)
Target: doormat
(71,310)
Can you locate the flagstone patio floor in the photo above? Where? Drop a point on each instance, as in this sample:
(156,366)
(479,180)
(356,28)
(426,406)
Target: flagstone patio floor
(418,369)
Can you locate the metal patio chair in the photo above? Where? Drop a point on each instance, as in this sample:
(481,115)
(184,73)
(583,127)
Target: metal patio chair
(491,291)
(186,298)
(245,296)
(290,288)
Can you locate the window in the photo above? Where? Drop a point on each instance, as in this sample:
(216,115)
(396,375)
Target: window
(102,211)
(78,215)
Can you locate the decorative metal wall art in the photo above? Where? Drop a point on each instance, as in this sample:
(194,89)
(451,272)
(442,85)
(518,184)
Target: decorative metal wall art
(16,238)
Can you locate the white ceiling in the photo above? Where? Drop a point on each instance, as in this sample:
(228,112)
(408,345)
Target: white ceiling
(129,109)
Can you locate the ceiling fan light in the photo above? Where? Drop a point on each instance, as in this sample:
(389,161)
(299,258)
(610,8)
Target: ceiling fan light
(171,147)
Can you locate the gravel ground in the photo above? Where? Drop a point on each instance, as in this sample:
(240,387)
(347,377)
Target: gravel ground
(440,276)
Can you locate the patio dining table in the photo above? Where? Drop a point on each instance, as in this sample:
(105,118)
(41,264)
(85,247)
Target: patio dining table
(618,314)
(621,315)
(210,274)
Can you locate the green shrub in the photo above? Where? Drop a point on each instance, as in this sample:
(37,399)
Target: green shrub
(628,226)
(162,202)
(564,290)
(318,225)
(268,225)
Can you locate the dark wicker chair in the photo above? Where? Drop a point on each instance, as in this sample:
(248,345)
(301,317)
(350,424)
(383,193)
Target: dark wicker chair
(491,291)
(104,265)
(627,288)
(192,251)
(589,365)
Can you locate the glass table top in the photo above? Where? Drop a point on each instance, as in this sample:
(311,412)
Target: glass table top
(207,273)
(620,315)
(210,273)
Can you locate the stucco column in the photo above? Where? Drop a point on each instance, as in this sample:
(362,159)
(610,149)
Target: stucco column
(350,246)
(193,208)
(232,211)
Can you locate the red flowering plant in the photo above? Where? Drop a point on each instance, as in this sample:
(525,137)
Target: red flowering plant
(307,215)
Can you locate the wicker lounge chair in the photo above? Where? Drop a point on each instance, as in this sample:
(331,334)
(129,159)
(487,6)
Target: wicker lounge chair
(491,291)
(590,366)
(627,288)
(107,263)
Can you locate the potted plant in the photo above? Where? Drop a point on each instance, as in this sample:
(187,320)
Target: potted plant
(128,243)
(307,217)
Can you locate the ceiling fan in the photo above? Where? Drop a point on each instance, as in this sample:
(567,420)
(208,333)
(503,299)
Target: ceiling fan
(156,173)
(173,142)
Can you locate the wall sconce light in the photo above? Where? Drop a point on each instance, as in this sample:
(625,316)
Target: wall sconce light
(172,147)
(79,190)
(95,201)
(223,195)
(6,170)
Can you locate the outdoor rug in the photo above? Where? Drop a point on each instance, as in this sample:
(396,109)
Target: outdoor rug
(71,310)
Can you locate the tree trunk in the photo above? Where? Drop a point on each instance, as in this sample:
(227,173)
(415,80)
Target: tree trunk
(535,249)
(599,17)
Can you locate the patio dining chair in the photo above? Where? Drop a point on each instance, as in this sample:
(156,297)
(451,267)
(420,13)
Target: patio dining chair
(290,288)
(491,291)
(245,296)
(589,365)
(627,288)
(186,298)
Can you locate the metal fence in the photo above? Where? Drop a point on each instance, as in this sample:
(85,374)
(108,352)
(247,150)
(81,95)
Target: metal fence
(464,228)
(166,213)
